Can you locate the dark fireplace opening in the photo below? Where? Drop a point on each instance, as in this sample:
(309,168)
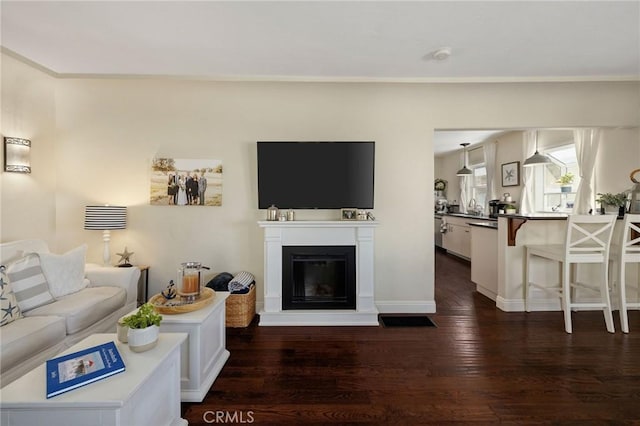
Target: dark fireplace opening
(318,277)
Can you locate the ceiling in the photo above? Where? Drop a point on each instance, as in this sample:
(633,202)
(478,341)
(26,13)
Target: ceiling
(329,40)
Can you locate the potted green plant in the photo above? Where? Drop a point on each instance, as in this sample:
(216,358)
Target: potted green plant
(565,182)
(613,203)
(143,328)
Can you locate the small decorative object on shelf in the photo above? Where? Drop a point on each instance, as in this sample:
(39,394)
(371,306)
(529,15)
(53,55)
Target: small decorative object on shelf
(143,328)
(170,291)
(440,185)
(125,258)
(272,213)
(349,214)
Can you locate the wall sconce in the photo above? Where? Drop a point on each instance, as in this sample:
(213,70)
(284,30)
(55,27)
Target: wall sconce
(105,219)
(16,155)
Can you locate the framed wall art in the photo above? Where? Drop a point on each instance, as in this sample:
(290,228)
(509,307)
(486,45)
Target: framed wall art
(511,174)
(186,182)
(349,214)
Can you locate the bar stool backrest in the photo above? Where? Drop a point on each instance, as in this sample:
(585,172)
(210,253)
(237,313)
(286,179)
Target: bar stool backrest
(588,238)
(631,238)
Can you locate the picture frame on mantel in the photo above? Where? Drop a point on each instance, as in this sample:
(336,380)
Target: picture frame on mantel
(511,174)
(349,214)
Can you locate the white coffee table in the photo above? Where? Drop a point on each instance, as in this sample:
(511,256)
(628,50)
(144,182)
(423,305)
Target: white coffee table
(204,353)
(147,393)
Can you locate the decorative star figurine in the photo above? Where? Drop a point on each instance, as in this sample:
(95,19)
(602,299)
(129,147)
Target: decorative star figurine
(124,257)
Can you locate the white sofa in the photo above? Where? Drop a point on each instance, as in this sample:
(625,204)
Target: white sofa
(45,331)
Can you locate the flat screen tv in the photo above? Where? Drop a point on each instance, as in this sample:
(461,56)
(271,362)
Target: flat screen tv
(316,175)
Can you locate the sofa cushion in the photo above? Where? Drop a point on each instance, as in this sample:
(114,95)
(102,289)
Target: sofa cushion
(28,283)
(24,338)
(84,308)
(9,310)
(64,272)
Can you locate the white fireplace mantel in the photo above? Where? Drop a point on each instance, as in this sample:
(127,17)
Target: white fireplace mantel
(318,233)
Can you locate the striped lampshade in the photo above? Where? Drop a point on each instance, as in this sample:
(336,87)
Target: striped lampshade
(103,218)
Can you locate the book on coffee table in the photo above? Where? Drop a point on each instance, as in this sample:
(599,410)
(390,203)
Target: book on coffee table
(80,368)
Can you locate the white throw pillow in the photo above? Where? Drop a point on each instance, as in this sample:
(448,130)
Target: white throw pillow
(64,272)
(9,309)
(28,282)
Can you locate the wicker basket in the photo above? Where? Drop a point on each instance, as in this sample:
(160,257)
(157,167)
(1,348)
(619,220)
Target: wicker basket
(241,308)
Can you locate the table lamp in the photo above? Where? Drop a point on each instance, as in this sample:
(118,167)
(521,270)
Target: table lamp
(105,218)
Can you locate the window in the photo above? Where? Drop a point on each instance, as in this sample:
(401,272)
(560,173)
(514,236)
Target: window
(478,180)
(479,184)
(550,195)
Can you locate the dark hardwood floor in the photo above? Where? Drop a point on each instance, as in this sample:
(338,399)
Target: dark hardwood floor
(478,365)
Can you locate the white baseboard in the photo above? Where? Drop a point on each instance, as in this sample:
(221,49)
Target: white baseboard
(406,306)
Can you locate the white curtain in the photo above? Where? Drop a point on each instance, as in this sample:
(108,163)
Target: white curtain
(528,147)
(464,186)
(464,193)
(587,142)
(490,164)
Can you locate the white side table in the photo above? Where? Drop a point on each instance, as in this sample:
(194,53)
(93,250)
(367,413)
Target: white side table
(147,393)
(204,353)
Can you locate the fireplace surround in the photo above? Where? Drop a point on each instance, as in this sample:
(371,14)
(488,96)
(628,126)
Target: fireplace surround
(357,236)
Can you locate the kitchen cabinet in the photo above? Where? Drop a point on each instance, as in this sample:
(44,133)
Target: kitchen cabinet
(484,267)
(457,239)
(437,235)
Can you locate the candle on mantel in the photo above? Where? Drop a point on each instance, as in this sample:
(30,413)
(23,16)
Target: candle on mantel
(190,284)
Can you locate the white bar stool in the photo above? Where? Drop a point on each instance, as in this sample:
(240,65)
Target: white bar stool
(627,251)
(587,241)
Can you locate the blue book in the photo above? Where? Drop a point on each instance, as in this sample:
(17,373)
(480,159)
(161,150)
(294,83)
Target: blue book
(80,368)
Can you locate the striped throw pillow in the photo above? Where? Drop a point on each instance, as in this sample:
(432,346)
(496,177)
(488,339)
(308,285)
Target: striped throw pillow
(9,310)
(28,282)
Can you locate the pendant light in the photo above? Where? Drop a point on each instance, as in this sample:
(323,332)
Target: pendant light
(536,159)
(464,171)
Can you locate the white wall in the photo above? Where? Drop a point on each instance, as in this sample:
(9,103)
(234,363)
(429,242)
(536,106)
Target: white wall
(109,129)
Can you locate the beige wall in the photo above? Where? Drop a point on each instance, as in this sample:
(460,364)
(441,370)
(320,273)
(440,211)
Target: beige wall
(27,201)
(108,130)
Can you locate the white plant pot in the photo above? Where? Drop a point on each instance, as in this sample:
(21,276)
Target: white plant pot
(143,339)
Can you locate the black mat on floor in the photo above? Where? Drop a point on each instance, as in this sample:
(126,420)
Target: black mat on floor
(406,321)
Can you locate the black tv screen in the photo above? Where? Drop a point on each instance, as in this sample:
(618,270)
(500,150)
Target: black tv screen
(316,175)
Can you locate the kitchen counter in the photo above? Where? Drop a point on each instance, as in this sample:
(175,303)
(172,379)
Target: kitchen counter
(536,216)
(515,221)
(490,225)
(470,216)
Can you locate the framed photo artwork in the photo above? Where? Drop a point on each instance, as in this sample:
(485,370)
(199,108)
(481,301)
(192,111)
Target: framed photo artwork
(186,182)
(511,174)
(349,214)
